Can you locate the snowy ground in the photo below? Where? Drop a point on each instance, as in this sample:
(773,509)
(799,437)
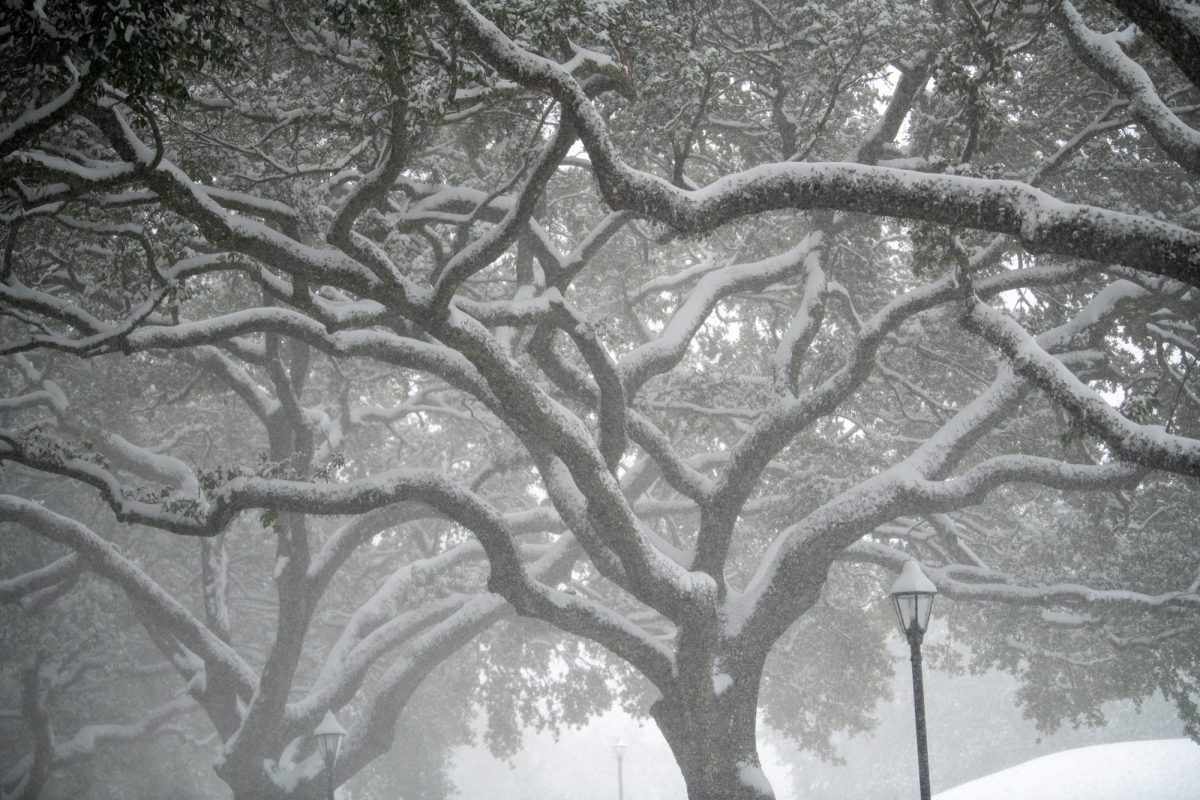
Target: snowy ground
(584,769)
(1163,769)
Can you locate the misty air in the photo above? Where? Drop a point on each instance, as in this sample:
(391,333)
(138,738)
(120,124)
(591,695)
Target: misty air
(599,400)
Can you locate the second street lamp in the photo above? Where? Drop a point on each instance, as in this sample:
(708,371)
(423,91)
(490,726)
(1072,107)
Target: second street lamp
(619,749)
(912,594)
(329,739)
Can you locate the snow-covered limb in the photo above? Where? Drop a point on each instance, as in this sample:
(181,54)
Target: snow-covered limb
(18,296)
(571,263)
(546,426)
(887,494)
(400,351)
(1031,652)
(704,263)
(1173,25)
(947,446)
(77,176)
(238,380)
(371,190)
(785,417)
(517,583)
(682,477)
(664,352)
(347,538)
(110,339)
(39,397)
(85,742)
(24,778)
(943,450)
(837,524)
(40,118)
(603,387)
(962,582)
(488,247)
(148,464)
(374,732)
(214,582)
(22,587)
(1149,445)
(346,666)
(384,603)
(49,454)
(95,335)
(103,559)
(913,77)
(1103,53)
(640,428)
(241,234)
(805,325)
(1042,223)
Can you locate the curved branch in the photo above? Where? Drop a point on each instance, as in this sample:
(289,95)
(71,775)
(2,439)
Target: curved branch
(1170,25)
(1105,57)
(1039,221)
(103,559)
(986,585)
(1149,445)
(18,589)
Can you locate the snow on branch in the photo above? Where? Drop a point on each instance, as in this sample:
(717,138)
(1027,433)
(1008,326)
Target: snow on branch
(1103,53)
(1173,25)
(664,352)
(51,752)
(842,521)
(103,558)
(1039,221)
(963,582)
(25,586)
(484,250)
(1150,445)
(89,738)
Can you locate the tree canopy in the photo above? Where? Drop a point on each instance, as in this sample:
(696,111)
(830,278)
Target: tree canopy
(336,335)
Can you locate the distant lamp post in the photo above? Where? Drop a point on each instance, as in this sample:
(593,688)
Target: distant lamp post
(329,739)
(619,749)
(912,594)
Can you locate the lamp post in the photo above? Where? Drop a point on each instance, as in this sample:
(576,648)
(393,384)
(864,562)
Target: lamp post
(329,739)
(619,749)
(912,594)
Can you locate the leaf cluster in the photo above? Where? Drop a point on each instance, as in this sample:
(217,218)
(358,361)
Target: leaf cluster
(143,48)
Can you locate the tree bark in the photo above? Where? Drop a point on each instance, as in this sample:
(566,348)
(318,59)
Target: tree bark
(712,734)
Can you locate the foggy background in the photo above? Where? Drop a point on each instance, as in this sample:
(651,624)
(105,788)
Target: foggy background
(975,728)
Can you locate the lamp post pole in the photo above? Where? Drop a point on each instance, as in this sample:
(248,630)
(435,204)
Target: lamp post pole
(912,594)
(619,749)
(914,644)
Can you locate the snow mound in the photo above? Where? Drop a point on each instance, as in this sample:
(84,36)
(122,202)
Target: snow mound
(1163,769)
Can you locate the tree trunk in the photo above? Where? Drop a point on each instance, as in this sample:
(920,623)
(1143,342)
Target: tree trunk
(712,736)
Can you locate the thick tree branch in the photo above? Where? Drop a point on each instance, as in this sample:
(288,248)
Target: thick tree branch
(1040,222)
(1104,55)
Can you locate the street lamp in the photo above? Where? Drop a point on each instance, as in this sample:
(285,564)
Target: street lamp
(912,594)
(329,739)
(619,749)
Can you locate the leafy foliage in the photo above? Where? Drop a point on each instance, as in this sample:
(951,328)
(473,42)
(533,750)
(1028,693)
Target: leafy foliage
(677,328)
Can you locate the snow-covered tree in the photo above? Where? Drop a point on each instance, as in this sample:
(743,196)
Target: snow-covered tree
(676,326)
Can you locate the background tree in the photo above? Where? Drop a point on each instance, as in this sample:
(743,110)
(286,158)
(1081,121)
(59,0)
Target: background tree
(678,329)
